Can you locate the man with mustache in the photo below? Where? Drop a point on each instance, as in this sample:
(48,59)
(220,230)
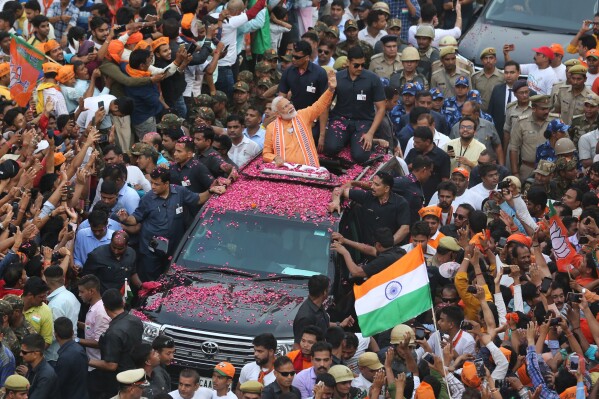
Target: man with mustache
(289,136)
(265,347)
(322,359)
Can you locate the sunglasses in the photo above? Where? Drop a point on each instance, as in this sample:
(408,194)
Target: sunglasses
(359,65)
(298,57)
(458,216)
(446,300)
(286,373)
(322,51)
(27,352)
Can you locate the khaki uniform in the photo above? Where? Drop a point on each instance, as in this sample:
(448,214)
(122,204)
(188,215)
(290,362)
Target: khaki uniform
(556,86)
(398,80)
(445,82)
(460,62)
(381,66)
(512,113)
(485,85)
(366,48)
(583,126)
(527,135)
(567,104)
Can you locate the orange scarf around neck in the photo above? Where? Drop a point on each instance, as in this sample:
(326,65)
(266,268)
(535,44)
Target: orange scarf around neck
(136,73)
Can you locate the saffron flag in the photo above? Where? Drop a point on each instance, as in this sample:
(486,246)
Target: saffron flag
(565,254)
(25,67)
(398,293)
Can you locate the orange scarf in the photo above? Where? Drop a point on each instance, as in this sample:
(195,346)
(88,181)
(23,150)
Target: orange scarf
(136,73)
(301,133)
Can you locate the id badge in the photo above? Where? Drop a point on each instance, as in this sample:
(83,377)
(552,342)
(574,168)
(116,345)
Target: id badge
(361,97)
(185,183)
(179,210)
(311,89)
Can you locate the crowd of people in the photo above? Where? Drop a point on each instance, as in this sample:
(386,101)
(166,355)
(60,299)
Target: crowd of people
(145,110)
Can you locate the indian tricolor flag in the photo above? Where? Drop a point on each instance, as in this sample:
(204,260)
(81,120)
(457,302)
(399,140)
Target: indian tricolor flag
(398,293)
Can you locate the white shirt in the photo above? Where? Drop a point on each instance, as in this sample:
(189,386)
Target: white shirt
(229,37)
(361,383)
(476,195)
(507,96)
(364,35)
(459,200)
(91,106)
(439,139)
(462,343)
(430,251)
(363,343)
(560,72)
(243,152)
(439,34)
(590,79)
(587,144)
(229,395)
(60,104)
(201,393)
(251,372)
(539,80)
(63,304)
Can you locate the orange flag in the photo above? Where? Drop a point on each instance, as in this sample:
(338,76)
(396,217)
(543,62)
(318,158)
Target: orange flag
(565,254)
(25,67)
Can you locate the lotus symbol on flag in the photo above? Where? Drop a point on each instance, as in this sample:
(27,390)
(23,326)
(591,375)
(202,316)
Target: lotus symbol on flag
(560,246)
(392,290)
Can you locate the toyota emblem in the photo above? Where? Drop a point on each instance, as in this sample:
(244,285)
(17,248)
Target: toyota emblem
(210,348)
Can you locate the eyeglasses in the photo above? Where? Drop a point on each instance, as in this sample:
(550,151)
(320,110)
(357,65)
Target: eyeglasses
(359,65)
(446,300)
(458,216)
(27,352)
(286,373)
(467,128)
(323,51)
(298,57)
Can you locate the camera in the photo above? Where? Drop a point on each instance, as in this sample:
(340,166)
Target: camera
(464,325)
(554,322)
(471,289)
(159,245)
(428,358)
(574,297)
(504,185)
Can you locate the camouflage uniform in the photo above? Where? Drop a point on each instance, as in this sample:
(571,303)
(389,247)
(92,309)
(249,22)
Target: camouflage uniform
(398,80)
(170,121)
(562,184)
(10,339)
(23,328)
(582,126)
(246,76)
(219,97)
(395,114)
(366,48)
(546,152)
(204,100)
(452,111)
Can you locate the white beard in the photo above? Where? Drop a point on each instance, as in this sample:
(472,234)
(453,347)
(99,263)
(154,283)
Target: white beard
(289,116)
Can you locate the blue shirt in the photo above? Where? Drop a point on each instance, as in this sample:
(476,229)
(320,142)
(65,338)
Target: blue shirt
(399,9)
(257,138)
(128,198)
(163,217)
(7,364)
(85,242)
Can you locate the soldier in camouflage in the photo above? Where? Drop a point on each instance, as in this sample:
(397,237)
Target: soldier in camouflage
(588,121)
(351,34)
(9,337)
(408,73)
(220,107)
(18,323)
(567,173)
(542,177)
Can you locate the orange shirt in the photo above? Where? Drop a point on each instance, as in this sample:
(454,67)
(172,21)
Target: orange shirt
(434,240)
(293,150)
(293,355)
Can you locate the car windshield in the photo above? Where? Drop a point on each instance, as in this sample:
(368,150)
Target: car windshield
(549,15)
(258,243)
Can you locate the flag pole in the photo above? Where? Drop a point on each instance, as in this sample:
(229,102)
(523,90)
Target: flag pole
(441,351)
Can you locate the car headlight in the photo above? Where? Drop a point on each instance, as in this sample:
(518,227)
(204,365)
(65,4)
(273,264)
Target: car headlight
(151,331)
(284,346)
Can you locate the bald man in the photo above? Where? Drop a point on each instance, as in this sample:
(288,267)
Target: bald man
(155,140)
(113,263)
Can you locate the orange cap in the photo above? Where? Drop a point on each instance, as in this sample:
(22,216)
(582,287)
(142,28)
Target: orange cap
(592,53)
(432,210)
(225,369)
(521,238)
(50,67)
(469,376)
(186,20)
(142,45)
(4,68)
(464,172)
(59,158)
(135,38)
(65,73)
(425,391)
(115,50)
(557,48)
(159,42)
(50,45)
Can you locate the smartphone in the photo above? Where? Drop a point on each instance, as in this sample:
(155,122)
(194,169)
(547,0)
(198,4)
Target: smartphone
(100,104)
(103,138)
(471,289)
(419,333)
(50,133)
(545,284)
(428,357)
(574,360)
(449,148)
(192,48)
(507,270)
(464,325)
(574,297)
(587,221)
(502,242)
(554,322)
(480,368)
(511,47)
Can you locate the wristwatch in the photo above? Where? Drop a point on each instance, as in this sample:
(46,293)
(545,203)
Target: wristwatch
(76,339)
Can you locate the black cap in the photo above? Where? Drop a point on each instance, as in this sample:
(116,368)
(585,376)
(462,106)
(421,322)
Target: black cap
(8,169)
(364,5)
(388,38)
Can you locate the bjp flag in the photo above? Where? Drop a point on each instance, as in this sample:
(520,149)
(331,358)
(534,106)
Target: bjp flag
(565,254)
(25,67)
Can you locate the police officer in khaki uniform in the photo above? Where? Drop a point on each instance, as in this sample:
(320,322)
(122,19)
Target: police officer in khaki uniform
(445,78)
(527,134)
(462,62)
(560,83)
(517,108)
(408,73)
(569,100)
(386,63)
(350,30)
(589,120)
(14,387)
(131,384)
(487,78)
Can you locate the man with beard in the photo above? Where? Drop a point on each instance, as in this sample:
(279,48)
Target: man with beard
(460,220)
(301,357)
(265,347)
(288,137)
(444,199)
(321,363)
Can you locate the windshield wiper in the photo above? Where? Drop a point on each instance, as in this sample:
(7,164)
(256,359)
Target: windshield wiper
(282,277)
(223,270)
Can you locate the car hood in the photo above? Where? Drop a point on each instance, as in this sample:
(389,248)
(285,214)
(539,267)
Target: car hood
(484,34)
(207,301)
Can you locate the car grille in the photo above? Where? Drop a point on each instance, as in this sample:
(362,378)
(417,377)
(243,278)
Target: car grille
(203,350)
